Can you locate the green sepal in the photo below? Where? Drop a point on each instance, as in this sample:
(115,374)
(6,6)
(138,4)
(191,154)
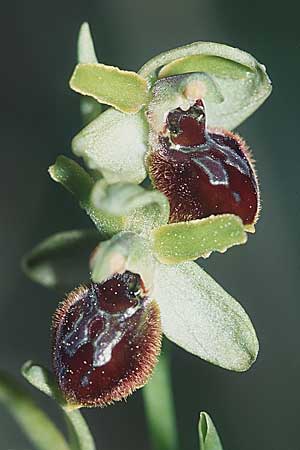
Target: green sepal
(115,144)
(79,434)
(199,316)
(77,181)
(125,251)
(124,90)
(208,435)
(61,261)
(242,81)
(90,108)
(215,65)
(142,209)
(85,45)
(184,241)
(34,422)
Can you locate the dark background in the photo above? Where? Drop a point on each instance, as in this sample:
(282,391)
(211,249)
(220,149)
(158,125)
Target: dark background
(255,410)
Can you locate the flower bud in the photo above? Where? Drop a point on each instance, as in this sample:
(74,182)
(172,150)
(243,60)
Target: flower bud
(106,338)
(202,171)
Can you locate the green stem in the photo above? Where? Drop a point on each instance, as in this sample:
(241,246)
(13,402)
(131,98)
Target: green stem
(80,437)
(160,408)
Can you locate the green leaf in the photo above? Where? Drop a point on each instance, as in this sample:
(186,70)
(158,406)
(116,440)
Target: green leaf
(77,181)
(208,435)
(35,423)
(125,91)
(141,208)
(125,251)
(183,241)
(159,406)
(242,81)
(90,108)
(79,433)
(198,315)
(61,261)
(115,144)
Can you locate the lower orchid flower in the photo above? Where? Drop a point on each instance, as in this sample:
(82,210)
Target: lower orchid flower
(107,334)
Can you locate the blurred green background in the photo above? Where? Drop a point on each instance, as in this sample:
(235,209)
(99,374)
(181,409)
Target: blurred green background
(259,409)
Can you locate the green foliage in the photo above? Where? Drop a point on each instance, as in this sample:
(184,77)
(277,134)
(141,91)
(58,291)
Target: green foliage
(208,436)
(80,437)
(61,261)
(34,422)
(159,406)
(77,181)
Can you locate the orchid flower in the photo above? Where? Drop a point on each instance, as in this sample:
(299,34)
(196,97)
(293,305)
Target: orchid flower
(166,182)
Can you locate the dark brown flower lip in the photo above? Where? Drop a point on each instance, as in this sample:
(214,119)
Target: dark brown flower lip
(203,171)
(126,336)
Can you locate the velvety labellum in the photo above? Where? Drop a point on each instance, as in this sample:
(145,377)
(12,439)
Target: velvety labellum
(106,340)
(202,172)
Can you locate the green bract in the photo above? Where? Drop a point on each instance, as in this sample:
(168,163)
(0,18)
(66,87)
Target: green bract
(208,436)
(61,260)
(77,181)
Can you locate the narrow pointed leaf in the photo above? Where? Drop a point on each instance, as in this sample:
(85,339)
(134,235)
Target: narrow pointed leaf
(198,315)
(35,423)
(61,261)
(183,241)
(90,108)
(77,181)
(241,80)
(142,209)
(115,144)
(79,433)
(208,435)
(125,91)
